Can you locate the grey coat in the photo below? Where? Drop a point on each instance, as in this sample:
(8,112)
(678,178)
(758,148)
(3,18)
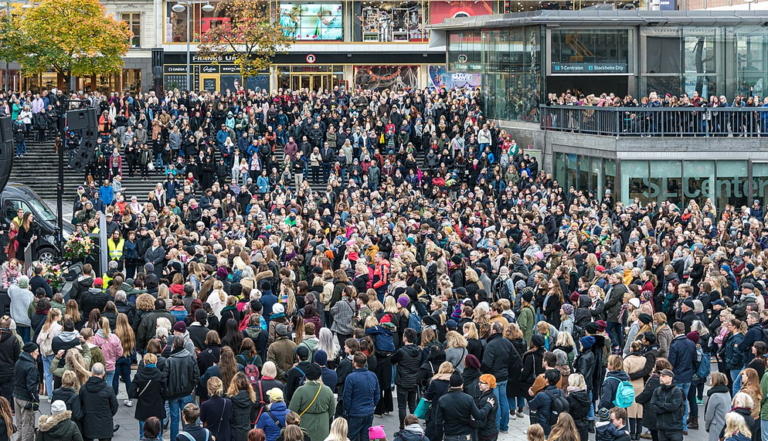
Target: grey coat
(718,404)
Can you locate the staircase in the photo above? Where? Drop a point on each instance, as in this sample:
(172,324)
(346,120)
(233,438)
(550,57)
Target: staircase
(39,170)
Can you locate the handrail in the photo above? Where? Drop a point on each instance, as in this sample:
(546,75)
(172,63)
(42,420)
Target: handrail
(657,121)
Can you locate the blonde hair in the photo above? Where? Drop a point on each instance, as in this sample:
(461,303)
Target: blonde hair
(536,433)
(338,430)
(269,369)
(471,330)
(215,387)
(743,400)
(69,379)
(576,380)
(75,361)
(51,318)
(564,339)
(735,423)
(105,327)
(615,363)
(150,358)
(455,340)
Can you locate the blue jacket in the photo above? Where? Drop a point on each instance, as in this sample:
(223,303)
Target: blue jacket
(106,194)
(221,137)
(682,355)
(265,423)
(263,183)
(361,393)
(542,404)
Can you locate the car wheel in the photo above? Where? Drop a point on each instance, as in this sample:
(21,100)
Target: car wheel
(46,256)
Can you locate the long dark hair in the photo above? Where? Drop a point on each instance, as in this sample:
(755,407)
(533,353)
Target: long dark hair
(233,337)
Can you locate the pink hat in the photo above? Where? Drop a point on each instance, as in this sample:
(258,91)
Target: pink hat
(376,432)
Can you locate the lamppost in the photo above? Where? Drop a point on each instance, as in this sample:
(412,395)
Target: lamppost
(181,6)
(8,4)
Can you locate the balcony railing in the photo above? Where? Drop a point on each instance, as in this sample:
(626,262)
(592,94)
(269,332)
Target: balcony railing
(657,121)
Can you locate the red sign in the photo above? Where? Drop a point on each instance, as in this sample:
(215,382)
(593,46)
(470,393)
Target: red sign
(440,10)
(311,58)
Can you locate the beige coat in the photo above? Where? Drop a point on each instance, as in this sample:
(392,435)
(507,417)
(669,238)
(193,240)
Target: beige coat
(634,363)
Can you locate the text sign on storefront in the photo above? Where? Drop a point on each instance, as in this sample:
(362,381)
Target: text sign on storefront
(589,68)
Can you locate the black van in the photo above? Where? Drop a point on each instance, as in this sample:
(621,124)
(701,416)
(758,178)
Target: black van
(16,196)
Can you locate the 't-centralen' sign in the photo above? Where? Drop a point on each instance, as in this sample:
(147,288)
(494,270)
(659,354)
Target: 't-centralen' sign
(589,68)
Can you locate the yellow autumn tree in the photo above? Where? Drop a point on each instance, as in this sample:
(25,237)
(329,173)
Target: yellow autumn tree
(71,37)
(249,35)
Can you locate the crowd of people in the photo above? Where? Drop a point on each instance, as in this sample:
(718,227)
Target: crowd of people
(440,271)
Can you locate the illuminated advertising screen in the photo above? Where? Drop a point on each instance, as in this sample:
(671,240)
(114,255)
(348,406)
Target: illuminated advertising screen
(313,22)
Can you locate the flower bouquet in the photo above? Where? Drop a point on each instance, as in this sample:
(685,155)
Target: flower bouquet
(78,247)
(53,275)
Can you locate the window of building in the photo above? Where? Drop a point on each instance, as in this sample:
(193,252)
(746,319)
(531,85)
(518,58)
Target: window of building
(133,19)
(598,51)
(313,21)
(634,181)
(698,181)
(665,183)
(732,183)
(388,20)
(751,61)
(465,51)
(200,22)
(700,60)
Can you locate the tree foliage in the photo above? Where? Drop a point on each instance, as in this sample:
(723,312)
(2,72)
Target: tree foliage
(71,37)
(250,36)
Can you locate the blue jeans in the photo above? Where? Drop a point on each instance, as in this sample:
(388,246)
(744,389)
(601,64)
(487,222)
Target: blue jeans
(23,332)
(47,359)
(176,406)
(109,377)
(502,414)
(764,429)
(736,379)
(122,369)
(21,148)
(615,332)
(159,160)
(515,402)
(591,414)
(358,427)
(685,387)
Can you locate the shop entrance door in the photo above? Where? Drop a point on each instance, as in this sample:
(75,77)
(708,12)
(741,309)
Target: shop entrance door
(311,81)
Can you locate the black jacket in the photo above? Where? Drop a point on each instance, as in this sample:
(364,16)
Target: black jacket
(644,397)
(26,379)
(408,361)
(69,396)
(242,415)
(93,298)
(496,357)
(81,285)
(10,350)
(669,404)
(455,409)
(579,402)
(487,426)
(148,388)
(293,379)
(182,374)
(585,365)
(99,405)
(583,314)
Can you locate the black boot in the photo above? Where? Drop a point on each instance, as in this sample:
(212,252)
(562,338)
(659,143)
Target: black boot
(693,424)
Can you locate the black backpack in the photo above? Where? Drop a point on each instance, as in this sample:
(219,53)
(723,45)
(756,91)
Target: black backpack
(559,405)
(502,290)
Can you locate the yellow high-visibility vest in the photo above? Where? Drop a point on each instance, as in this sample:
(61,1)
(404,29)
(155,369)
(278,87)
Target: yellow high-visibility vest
(115,249)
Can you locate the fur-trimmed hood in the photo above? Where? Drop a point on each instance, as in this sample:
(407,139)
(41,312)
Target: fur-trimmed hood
(264,275)
(48,422)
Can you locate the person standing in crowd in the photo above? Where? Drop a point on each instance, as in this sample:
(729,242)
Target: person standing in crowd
(407,361)
(454,407)
(668,402)
(315,403)
(148,388)
(58,425)
(10,352)
(183,375)
(21,299)
(25,391)
(99,406)
(361,394)
(682,355)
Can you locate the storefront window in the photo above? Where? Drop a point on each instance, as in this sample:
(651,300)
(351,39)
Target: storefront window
(132,80)
(609,166)
(313,21)
(571,171)
(732,183)
(665,183)
(390,20)
(698,181)
(634,181)
(386,77)
(560,169)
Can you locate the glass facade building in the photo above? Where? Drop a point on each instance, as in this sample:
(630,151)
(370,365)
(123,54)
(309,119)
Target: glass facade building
(525,56)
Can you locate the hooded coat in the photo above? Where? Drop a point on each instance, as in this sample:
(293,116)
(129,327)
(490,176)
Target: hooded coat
(148,388)
(99,405)
(59,427)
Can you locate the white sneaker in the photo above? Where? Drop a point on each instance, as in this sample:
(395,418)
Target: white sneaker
(128,403)
(519,414)
(513,417)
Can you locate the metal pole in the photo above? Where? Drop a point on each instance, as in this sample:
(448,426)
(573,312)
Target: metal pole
(7,67)
(189,74)
(60,184)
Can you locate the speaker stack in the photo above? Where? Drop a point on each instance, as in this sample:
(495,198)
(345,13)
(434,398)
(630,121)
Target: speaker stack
(84,120)
(6,150)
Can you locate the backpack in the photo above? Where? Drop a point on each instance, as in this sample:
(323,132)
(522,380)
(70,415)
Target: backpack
(414,322)
(577,332)
(703,368)
(559,405)
(192,438)
(502,290)
(252,372)
(625,393)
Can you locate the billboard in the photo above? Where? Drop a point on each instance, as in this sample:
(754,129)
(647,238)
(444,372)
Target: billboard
(440,77)
(440,10)
(313,22)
